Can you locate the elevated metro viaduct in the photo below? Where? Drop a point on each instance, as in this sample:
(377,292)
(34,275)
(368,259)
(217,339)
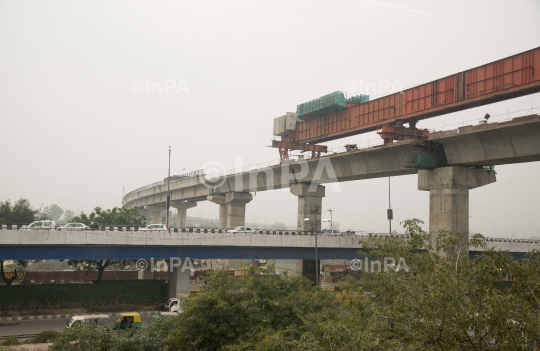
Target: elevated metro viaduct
(466,149)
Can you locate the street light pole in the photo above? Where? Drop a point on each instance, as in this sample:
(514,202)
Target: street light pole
(331,218)
(316,255)
(169,188)
(390,212)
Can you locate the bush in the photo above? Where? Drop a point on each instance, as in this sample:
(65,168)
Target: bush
(10,342)
(93,337)
(43,337)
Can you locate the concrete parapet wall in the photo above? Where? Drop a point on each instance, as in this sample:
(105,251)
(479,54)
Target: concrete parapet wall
(48,238)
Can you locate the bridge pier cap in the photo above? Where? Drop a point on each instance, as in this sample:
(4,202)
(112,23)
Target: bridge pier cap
(449,196)
(232,208)
(181,208)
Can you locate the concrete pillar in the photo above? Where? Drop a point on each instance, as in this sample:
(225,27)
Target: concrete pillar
(146,274)
(178,281)
(309,269)
(232,208)
(449,196)
(236,208)
(181,208)
(156,218)
(309,206)
(220,200)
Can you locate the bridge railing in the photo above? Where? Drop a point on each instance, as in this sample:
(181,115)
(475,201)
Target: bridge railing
(265,232)
(163,182)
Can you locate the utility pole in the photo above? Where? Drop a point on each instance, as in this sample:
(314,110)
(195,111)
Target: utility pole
(331,219)
(169,188)
(390,212)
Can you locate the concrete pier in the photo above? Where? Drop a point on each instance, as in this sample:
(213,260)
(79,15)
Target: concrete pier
(181,208)
(309,269)
(146,274)
(236,208)
(449,196)
(220,200)
(309,206)
(178,279)
(232,208)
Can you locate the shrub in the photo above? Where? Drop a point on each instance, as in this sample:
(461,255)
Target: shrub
(10,342)
(44,336)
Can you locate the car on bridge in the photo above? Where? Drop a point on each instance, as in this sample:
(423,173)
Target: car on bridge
(154,227)
(74,226)
(241,230)
(44,224)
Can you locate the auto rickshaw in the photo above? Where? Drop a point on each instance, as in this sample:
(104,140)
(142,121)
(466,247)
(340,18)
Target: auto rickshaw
(127,321)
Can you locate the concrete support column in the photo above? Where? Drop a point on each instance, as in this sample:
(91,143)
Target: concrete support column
(156,218)
(309,206)
(146,213)
(449,196)
(146,274)
(309,269)
(236,208)
(178,281)
(232,208)
(181,208)
(220,200)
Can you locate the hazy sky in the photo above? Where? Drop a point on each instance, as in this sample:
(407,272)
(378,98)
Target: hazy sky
(82,115)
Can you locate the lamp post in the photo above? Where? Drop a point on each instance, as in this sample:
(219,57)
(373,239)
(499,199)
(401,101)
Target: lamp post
(390,212)
(316,256)
(331,218)
(169,188)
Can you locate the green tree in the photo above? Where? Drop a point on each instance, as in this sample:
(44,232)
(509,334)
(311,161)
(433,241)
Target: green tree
(444,300)
(242,311)
(111,217)
(53,212)
(68,215)
(21,212)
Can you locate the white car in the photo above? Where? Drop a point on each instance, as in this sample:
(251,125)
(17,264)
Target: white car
(154,227)
(241,230)
(45,224)
(74,226)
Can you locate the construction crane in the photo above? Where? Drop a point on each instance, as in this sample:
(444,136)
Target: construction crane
(332,116)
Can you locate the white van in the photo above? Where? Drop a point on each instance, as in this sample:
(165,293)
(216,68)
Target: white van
(331,232)
(99,319)
(44,224)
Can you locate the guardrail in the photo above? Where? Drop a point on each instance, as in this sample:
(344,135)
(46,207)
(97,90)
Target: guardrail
(172,180)
(266,232)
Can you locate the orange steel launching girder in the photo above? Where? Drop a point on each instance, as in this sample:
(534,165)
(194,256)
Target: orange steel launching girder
(504,79)
(391,133)
(295,146)
(285,146)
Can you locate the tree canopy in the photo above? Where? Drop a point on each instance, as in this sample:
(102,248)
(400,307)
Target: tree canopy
(116,216)
(53,212)
(20,212)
